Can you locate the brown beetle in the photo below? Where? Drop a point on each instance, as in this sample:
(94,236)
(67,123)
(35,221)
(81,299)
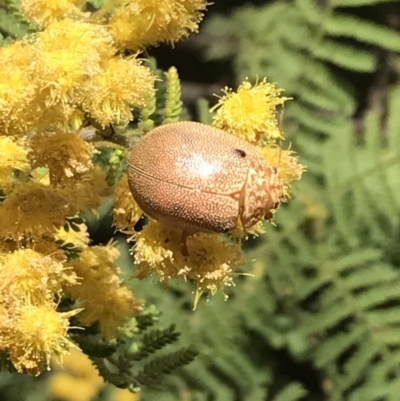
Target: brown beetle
(201,179)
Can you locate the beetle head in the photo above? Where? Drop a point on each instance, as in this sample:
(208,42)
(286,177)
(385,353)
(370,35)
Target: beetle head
(261,193)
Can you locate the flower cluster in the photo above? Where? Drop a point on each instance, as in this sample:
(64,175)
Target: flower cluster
(79,380)
(209,260)
(80,66)
(101,294)
(31,328)
(69,69)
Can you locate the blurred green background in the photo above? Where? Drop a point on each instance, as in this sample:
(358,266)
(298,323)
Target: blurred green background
(319,319)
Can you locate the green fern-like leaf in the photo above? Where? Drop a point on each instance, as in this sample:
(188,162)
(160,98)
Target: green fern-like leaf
(348,293)
(158,367)
(173,106)
(292,392)
(12,22)
(146,121)
(331,265)
(366,32)
(124,362)
(154,341)
(165,105)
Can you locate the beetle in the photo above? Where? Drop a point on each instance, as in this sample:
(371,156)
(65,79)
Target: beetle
(201,179)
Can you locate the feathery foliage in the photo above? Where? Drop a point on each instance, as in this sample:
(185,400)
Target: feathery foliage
(319,319)
(332,264)
(125,363)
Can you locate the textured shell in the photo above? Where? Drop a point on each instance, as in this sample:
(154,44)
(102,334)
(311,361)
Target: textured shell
(200,178)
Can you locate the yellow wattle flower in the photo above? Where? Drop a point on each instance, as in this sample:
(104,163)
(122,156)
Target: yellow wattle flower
(18,89)
(79,380)
(34,335)
(101,293)
(210,262)
(121,84)
(44,12)
(142,23)
(67,156)
(33,210)
(250,112)
(27,273)
(69,56)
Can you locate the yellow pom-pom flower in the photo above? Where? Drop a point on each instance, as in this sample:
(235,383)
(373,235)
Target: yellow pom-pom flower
(69,56)
(209,261)
(18,89)
(101,292)
(27,273)
(44,12)
(34,335)
(143,23)
(34,210)
(250,112)
(67,387)
(65,154)
(123,83)
(79,380)
(90,191)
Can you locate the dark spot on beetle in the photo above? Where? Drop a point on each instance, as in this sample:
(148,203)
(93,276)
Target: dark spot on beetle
(240,152)
(166,240)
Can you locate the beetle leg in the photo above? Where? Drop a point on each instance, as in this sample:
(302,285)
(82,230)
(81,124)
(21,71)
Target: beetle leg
(270,214)
(184,248)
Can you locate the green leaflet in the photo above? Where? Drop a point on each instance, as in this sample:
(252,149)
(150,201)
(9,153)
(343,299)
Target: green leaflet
(173,103)
(364,31)
(346,56)
(12,24)
(292,392)
(125,361)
